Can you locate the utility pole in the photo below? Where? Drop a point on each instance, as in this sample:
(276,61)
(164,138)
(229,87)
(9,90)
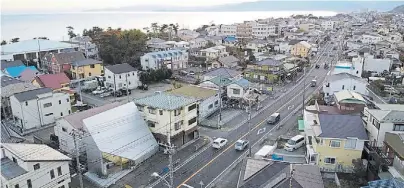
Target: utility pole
(170,150)
(249,127)
(77,76)
(75,135)
(127,87)
(220,102)
(304,88)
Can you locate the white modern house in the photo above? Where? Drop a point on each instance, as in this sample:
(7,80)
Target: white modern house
(119,140)
(371,38)
(386,118)
(257,45)
(121,76)
(198,43)
(354,68)
(327,25)
(283,47)
(36,108)
(228,30)
(214,52)
(171,59)
(262,31)
(376,65)
(162,110)
(344,81)
(33,165)
(73,123)
(238,89)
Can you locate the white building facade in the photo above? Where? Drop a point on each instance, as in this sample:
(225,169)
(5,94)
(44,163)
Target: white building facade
(121,76)
(36,108)
(171,59)
(371,39)
(261,31)
(344,81)
(327,25)
(33,166)
(228,30)
(376,65)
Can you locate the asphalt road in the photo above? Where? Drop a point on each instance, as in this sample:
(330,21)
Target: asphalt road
(209,164)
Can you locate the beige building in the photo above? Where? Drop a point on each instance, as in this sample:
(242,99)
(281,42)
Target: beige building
(244,30)
(171,114)
(307,27)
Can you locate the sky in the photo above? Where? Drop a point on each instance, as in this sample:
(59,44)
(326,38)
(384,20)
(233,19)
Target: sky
(43,6)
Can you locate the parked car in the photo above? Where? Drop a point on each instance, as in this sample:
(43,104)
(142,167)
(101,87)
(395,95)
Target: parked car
(241,145)
(125,92)
(143,87)
(191,73)
(274,118)
(218,143)
(294,143)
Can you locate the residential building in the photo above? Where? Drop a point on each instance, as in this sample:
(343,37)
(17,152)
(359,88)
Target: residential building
(230,62)
(216,82)
(61,62)
(178,112)
(198,43)
(230,41)
(238,88)
(306,27)
(34,49)
(386,118)
(216,40)
(344,81)
(301,49)
(262,31)
(36,108)
(327,25)
(9,87)
(391,183)
(257,46)
(28,75)
(213,52)
(349,101)
(333,140)
(87,68)
(121,76)
(371,38)
(187,34)
(267,71)
(394,149)
(354,68)
(395,38)
(272,173)
(213,30)
(171,59)
(376,65)
(65,126)
(15,72)
(7,64)
(33,165)
(209,100)
(132,144)
(244,30)
(57,82)
(228,30)
(85,46)
(222,73)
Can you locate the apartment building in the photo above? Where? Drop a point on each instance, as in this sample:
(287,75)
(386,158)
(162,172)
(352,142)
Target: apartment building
(344,81)
(33,166)
(327,25)
(301,49)
(213,52)
(121,76)
(198,43)
(262,31)
(171,59)
(371,38)
(306,27)
(39,107)
(228,30)
(244,30)
(170,114)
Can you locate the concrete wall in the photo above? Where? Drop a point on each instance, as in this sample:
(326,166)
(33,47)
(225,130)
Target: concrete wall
(349,84)
(121,80)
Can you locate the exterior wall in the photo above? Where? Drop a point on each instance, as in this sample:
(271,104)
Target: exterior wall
(299,50)
(87,71)
(40,177)
(343,156)
(121,80)
(256,47)
(348,84)
(244,30)
(208,106)
(196,43)
(368,39)
(376,65)
(376,135)
(228,30)
(306,27)
(263,30)
(230,91)
(179,62)
(327,25)
(66,141)
(283,48)
(35,115)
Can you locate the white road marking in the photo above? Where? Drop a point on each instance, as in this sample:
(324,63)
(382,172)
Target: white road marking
(262,130)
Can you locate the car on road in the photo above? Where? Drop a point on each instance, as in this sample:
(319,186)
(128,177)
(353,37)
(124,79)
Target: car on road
(317,66)
(143,87)
(313,83)
(274,118)
(219,143)
(191,73)
(240,145)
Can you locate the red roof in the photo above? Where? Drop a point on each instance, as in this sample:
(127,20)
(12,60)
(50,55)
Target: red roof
(53,81)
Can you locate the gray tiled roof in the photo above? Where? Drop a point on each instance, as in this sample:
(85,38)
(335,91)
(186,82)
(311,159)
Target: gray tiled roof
(86,62)
(308,176)
(230,61)
(270,62)
(7,64)
(10,170)
(394,116)
(6,80)
(165,101)
(9,136)
(223,72)
(263,177)
(344,75)
(342,126)
(120,68)
(31,94)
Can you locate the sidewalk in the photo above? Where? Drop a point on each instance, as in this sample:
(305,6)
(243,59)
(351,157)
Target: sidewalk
(141,176)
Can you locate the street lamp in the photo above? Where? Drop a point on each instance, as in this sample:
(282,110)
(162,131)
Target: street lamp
(157,175)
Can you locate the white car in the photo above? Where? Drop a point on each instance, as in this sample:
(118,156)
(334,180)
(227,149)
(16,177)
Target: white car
(218,143)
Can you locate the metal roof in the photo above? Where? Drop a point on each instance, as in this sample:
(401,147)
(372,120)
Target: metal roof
(166,101)
(223,72)
(35,152)
(34,45)
(194,91)
(270,62)
(344,75)
(7,64)
(7,80)
(230,61)
(120,68)
(242,83)
(10,169)
(342,126)
(349,96)
(86,62)
(31,94)
(9,136)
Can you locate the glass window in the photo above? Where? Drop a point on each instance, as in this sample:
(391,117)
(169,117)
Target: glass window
(335,143)
(350,144)
(398,127)
(52,174)
(37,166)
(192,121)
(210,106)
(29,183)
(26,103)
(49,114)
(92,66)
(152,110)
(49,104)
(151,124)
(140,108)
(16,186)
(60,102)
(236,91)
(191,107)
(177,126)
(59,171)
(161,112)
(329,160)
(61,113)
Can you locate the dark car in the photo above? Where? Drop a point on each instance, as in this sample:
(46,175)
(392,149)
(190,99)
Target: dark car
(125,92)
(317,66)
(143,87)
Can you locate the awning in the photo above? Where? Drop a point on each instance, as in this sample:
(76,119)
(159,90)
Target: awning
(300,124)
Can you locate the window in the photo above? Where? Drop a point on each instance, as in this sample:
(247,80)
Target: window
(191,107)
(70,112)
(52,174)
(192,121)
(89,74)
(63,186)
(60,102)
(49,114)
(67,100)
(343,86)
(133,73)
(236,91)
(64,129)
(152,110)
(161,112)
(354,87)
(37,165)
(59,171)
(92,66)
(29,183)
(16,186)
(329,160)
(61,113)
(177,126)
(216,103)
(109,76)
(140,108)
(376,123)
(210,106)
(398,127)
(177,112)
(151,124)
(120,77)
(15,160)
(328,85)
(49,104)
(26,103)
(335,143)
(350,143)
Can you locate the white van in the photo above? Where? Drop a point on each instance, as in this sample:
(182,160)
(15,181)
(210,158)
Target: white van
(294,143)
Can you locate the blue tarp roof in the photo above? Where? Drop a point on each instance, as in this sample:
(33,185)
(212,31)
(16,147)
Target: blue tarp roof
(230,39)
(16,71)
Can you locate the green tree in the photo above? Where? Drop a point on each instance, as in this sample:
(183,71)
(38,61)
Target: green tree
(251,58)
(3,42)
(94,33)
(70,32)
(401,57)
(210,44)
(14,40)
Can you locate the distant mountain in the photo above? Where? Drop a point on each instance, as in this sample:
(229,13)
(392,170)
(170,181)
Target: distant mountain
(266,5)
(399,9)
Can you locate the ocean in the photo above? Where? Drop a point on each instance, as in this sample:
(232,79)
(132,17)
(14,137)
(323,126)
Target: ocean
(53,26)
